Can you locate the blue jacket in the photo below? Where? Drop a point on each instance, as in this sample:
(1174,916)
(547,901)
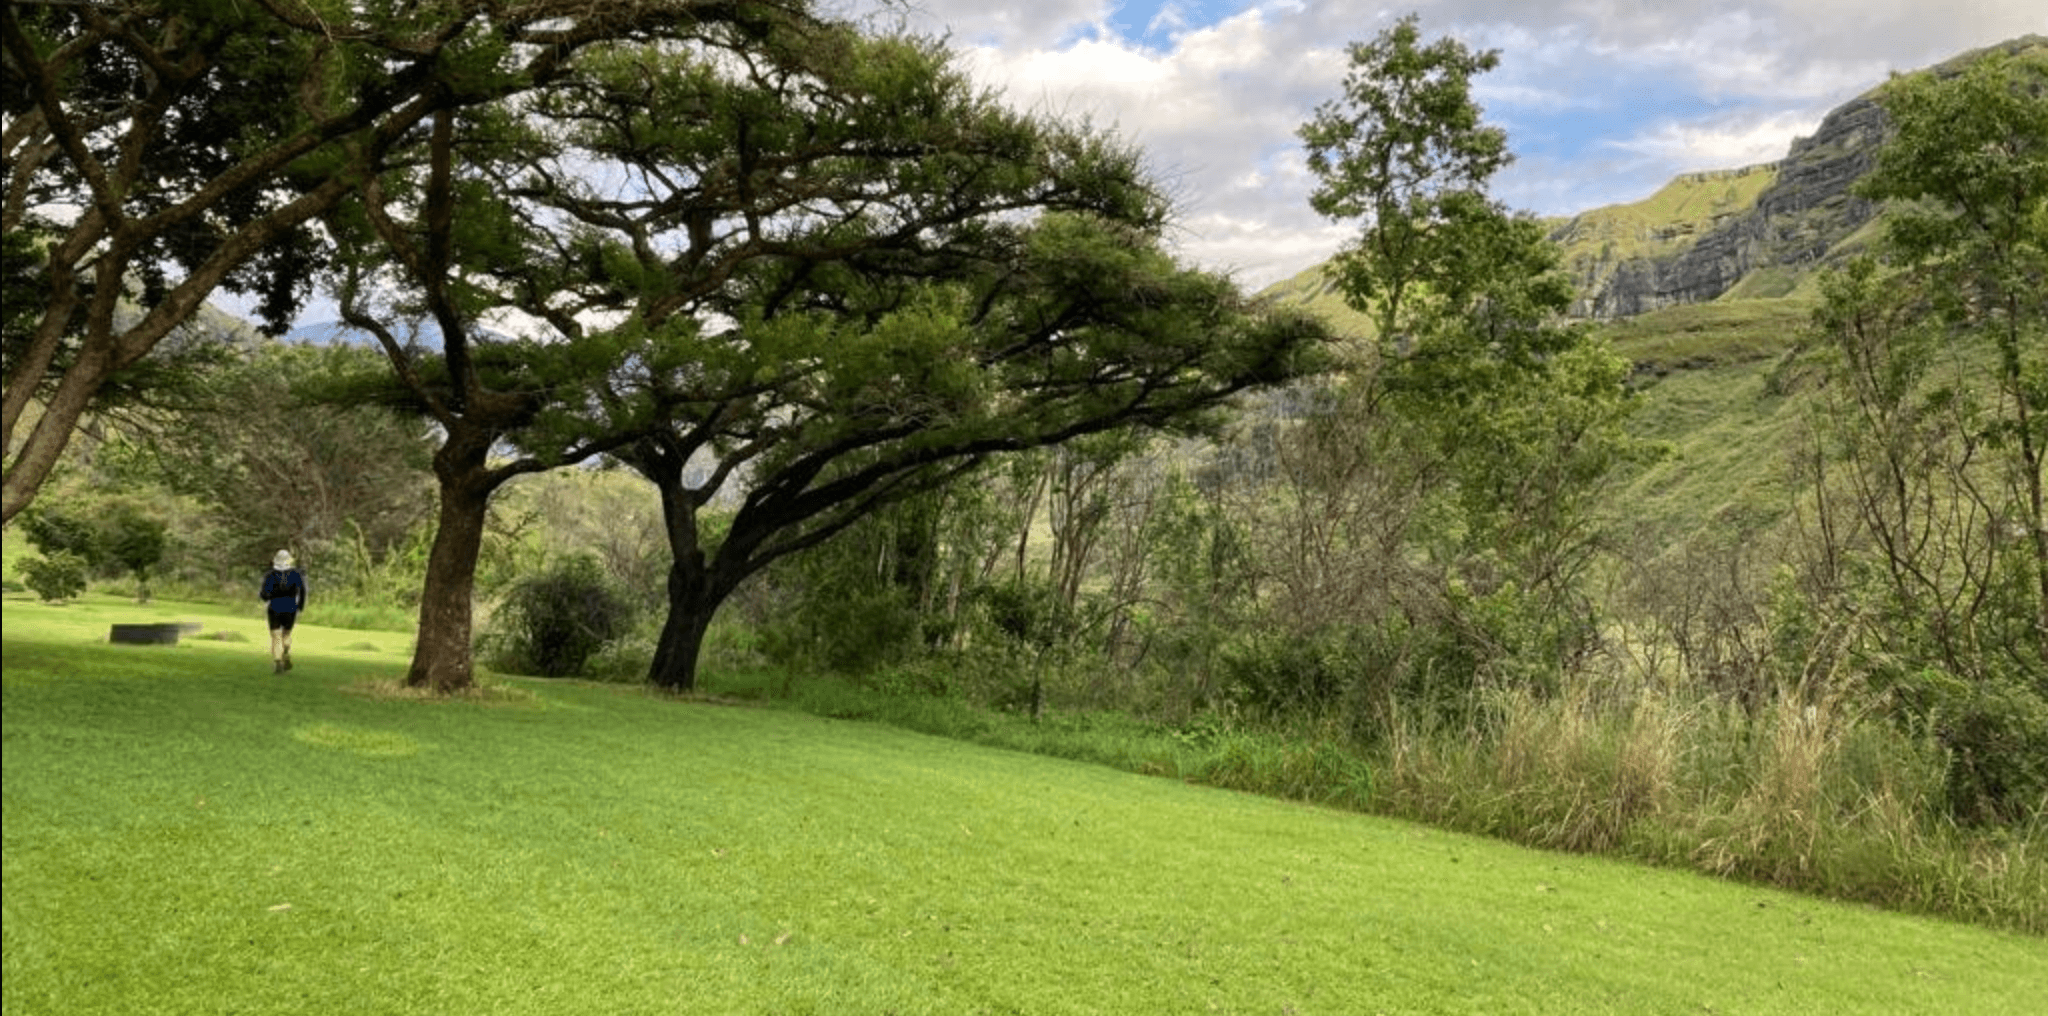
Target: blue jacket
(285,590)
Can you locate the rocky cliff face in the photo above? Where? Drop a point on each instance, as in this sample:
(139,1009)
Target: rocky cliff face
(1798,221)
(1804,218)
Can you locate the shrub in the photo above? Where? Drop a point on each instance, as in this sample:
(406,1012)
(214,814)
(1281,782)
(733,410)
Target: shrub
(1996,732)
(852,632)
(105,535)
(1276,674)
(552,623)
(59,576)
(1024,610)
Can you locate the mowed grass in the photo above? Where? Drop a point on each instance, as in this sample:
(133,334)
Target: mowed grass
(186,833)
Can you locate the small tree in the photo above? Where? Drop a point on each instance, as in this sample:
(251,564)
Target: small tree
(64,530)
(1966,171)
(134,540)
(554,622)
(1927,492)
(1481,422)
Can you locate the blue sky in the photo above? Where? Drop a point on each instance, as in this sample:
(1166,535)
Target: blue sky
(1603,100)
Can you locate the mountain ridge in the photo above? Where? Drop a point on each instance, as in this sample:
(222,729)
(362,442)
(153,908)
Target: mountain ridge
(1758,232)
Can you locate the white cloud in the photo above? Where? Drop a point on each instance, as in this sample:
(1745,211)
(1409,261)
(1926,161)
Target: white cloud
(1724,144)
(1579,87)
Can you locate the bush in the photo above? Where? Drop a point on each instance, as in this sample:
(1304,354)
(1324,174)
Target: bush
(59,576)
(841,626)
(105,535)
(551,624)
(1026,611)
(1277,674)
(1996,732)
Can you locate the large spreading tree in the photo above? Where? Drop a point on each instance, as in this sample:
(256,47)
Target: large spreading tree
(782,257)
(831,413)
(158,150)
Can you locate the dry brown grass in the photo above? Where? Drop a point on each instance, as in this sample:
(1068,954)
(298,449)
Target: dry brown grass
(1806,793)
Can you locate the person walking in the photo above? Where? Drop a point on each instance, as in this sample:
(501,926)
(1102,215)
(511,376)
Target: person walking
(284,593)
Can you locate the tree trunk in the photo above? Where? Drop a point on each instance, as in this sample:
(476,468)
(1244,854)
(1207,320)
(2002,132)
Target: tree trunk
(692,595)
(690,607)
(442,660)
(29,464)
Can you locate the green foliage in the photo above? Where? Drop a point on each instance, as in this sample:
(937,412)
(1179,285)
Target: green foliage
(856,630)
(552,623)
(1967,171)
(1025,610)
(1435,664)
(856,604)
(1996,735)
(1281,675)
(1930,488)
(135,540)
(1969,156)
(58,576)
(66,530)
(1406,152)
(112,535)
(611,513)
(287,452)
(1437,506)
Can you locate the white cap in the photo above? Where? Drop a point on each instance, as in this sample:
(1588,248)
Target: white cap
(282,561)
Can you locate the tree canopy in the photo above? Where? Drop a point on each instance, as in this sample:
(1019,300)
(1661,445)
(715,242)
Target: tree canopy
(157,151)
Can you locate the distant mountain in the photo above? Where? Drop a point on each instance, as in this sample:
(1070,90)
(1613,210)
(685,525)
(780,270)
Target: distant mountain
(1755,233)
(327,333)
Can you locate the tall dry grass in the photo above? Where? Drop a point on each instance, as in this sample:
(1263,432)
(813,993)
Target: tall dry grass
(1806,792)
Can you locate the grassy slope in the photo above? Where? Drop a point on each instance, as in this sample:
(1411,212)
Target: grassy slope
(1703,375)
(186,833)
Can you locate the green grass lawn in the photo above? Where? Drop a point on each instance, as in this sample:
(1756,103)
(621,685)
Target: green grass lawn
(187,833)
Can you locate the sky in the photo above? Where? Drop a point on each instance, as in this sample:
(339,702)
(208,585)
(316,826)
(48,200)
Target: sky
(1603,101)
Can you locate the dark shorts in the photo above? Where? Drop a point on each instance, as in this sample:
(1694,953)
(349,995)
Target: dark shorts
(283,621)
